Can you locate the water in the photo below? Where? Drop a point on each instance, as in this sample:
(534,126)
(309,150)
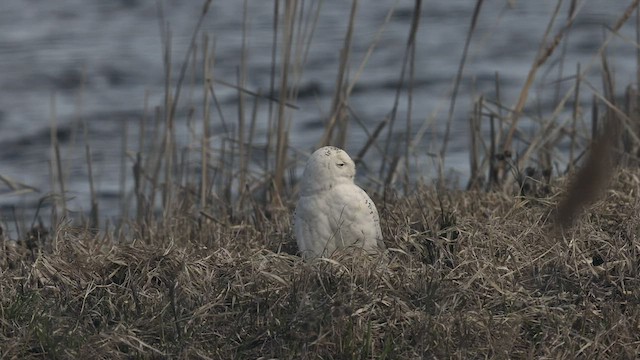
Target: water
(47,48)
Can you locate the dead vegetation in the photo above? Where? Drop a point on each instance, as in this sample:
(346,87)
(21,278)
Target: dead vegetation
(206,266)
(468,275)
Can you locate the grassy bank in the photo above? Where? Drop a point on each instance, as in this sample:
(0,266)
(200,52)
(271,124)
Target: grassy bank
(469,275)
(202,263)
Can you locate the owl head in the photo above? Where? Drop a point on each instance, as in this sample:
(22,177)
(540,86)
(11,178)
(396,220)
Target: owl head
(327,167)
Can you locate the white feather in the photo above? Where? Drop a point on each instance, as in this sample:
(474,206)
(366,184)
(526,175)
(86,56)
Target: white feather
(333,212)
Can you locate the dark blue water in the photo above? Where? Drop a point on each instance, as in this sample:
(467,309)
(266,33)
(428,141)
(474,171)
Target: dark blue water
(96,60)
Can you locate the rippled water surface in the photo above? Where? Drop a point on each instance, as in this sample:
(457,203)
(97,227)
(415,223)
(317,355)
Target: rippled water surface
(97,60)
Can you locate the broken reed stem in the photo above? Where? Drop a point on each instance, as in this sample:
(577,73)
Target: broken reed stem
(282,127)
(371,139)
(139,183)
(123,170)
(493,167)
(204,151)
(190,51)
(417,12)
(624,120)
(57,162)
(252,131)
(338,111)
(157,159)
(563,54)
(246,91)
(167,148)
(241,105)
(594,117)
(474,134)
(94,217)
(94,214)
(272,83)
(454,94)
(574,118)
(607,83)
(394,110)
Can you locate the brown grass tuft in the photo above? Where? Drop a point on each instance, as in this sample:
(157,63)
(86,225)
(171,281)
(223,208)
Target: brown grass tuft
(469,275)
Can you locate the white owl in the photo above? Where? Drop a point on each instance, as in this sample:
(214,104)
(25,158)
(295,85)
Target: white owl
(333,212)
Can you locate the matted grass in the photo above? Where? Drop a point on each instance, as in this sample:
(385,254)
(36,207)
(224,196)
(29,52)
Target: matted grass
(207,267)
(468,275)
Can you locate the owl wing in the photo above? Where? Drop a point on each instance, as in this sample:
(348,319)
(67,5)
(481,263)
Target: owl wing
(312,228)
(355,217)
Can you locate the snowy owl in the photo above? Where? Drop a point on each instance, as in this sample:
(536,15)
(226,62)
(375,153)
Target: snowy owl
(333,212)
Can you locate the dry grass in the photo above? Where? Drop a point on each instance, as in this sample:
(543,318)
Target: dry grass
(207,269)
(482,274)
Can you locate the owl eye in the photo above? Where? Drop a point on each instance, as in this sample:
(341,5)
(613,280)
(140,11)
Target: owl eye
(341,164)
